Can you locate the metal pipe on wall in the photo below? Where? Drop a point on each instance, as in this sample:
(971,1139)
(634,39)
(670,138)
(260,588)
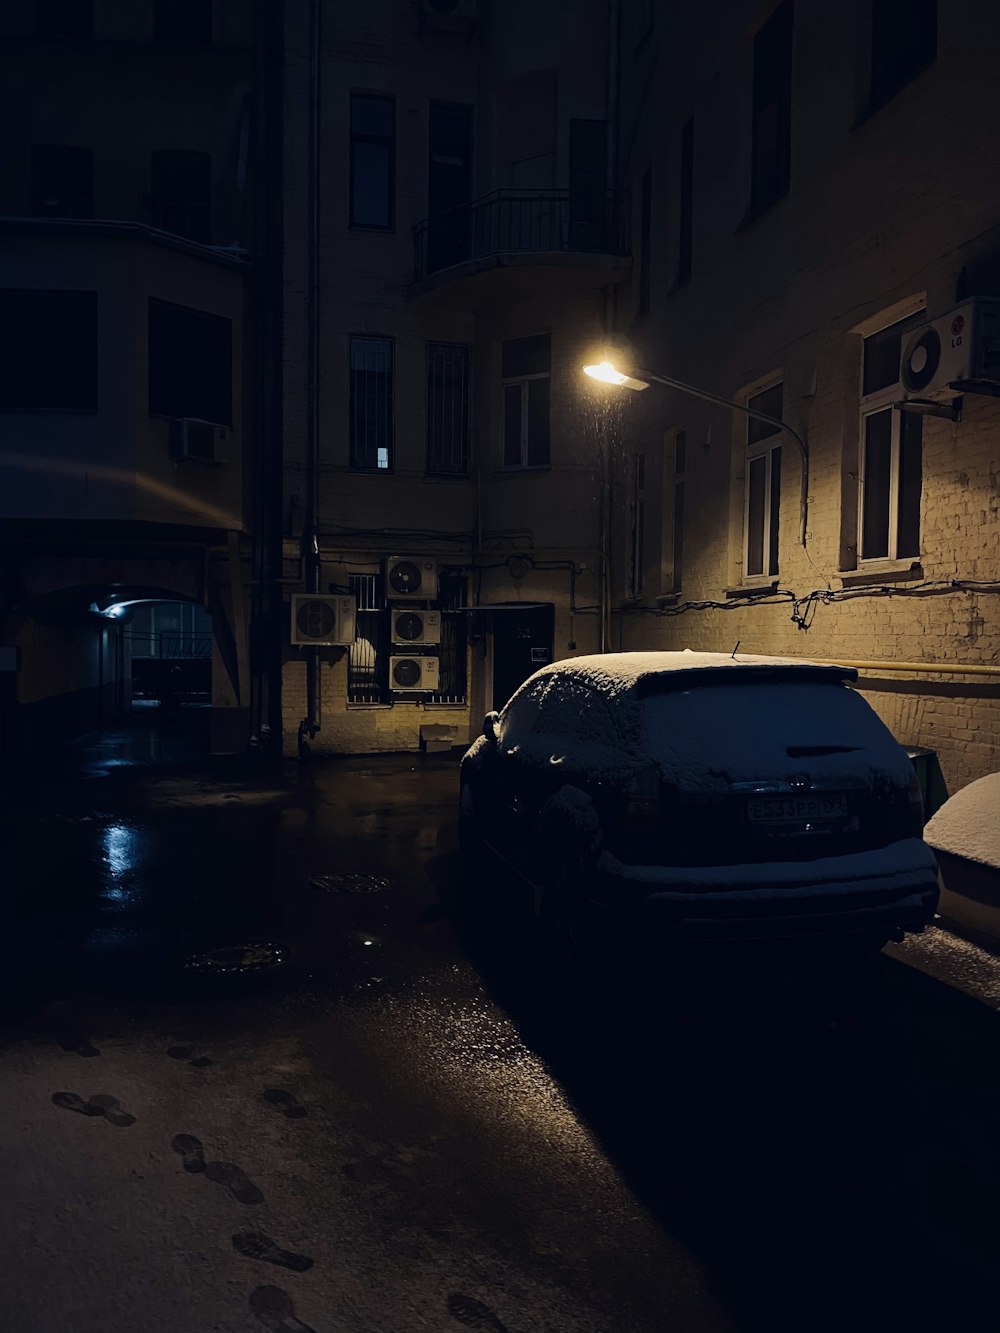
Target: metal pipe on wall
(312,722)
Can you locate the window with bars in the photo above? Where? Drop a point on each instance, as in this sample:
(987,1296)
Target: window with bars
(448,405)
(891,445)
(368,656)
(524,367)
(763,485)
(372,413)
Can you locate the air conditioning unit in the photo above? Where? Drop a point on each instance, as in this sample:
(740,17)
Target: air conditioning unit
(953,352)
(413,675)
(416,626)
(323,621)
(410,576)
(196,441)
(449,15)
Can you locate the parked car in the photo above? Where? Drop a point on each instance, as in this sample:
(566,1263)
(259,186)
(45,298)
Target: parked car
(699,795)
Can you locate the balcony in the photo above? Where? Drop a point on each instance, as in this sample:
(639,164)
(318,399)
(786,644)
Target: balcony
(581,236)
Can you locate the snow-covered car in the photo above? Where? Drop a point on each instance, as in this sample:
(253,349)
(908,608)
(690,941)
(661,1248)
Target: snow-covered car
(700,795)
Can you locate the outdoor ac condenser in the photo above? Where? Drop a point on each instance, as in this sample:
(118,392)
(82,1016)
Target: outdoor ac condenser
(958,350)
(413,675)
(413,626)
(325,622)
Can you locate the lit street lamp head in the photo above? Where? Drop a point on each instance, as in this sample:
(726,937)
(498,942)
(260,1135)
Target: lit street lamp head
(607,374)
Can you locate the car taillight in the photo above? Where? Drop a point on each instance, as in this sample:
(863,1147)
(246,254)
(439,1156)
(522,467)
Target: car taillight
(641,804)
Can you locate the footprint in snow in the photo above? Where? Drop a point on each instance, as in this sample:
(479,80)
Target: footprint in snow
(100,1104)
(255,1245)
(285,1103)
(192,1153)
(273,1307)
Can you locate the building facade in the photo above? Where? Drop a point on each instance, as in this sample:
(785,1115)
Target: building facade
(130,400)
(452,238)
(809,192)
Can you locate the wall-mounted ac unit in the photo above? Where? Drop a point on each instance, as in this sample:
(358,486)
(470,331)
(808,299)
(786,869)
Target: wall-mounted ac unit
(323,621)
(953,352)
(449,15)
(413,675)
(196,441)
(410,576)
(416,626)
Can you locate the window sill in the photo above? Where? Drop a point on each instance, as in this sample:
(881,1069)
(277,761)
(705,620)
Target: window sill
(519,471)
(762,588)
(888,571)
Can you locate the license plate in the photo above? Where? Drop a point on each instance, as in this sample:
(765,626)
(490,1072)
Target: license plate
(806,809)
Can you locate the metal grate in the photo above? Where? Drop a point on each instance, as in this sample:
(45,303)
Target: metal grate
(371,403)
(447,409)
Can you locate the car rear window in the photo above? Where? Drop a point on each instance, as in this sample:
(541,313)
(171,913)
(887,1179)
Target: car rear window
(748,730)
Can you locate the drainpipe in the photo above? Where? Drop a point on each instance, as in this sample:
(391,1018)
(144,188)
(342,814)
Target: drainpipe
(604,590)
(311,723)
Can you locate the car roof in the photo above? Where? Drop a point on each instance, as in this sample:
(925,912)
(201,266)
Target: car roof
(613,673)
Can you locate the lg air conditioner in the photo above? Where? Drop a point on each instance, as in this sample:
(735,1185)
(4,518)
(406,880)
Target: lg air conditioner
(324,622)
(413,675)
(192,440)
(449,15)
(412,626)
(410,576)
(955,352)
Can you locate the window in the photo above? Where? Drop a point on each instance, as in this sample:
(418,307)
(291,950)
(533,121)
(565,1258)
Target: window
(182,194)
(190,364)
(589,218)
(685,221)
(637,568)
(182,20)
(447,409)
(677,511)
(372,160)
(48,351)
(645,226)
(64,18)
(643,20)
(763,485)
(449,185)
(891,449)
(372,414)
(904,42)
(62,181)
(772,109)
(524,368)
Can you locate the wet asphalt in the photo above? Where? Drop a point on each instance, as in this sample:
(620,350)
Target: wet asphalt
(263,1068)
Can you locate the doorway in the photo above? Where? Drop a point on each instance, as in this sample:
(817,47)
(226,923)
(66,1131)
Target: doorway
(523,638)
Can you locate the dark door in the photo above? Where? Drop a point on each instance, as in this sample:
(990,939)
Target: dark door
(588,186)
(522,642)
(449,185)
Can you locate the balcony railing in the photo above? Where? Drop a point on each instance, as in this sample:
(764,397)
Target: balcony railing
(587,221)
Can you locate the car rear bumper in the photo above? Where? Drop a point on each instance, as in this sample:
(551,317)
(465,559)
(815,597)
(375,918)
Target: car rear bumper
(891,888)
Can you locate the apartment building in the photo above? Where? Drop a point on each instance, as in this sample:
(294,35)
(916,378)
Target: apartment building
(130,383)
(816,235)
(452,240)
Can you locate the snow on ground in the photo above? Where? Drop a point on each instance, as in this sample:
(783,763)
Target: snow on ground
(968,824)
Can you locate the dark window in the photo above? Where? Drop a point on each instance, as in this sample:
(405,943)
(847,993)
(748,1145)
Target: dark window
(182,20)
(182,194)
(680,464)
(685,221)
(763,485)
(372,160)
(449,185)
(525,365)
(190,364)
(447,409)
(371,405)
(904,42)
(64,18)
(645,227)
(772,109)
(589,214)
(62,181)
(880,367)
(48,351)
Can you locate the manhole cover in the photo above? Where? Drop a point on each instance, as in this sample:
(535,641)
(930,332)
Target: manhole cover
(349,881)
(236,958)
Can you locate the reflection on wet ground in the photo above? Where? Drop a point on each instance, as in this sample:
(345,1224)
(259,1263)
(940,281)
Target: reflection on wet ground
(797,1154)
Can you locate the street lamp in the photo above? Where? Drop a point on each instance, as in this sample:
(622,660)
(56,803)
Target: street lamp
(607,373)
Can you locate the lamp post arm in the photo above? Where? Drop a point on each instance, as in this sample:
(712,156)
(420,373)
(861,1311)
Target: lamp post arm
(750,412)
